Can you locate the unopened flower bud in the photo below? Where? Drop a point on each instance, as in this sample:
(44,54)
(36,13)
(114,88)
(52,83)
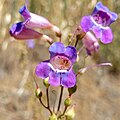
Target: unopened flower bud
(70,113)
(46,83)
(72,90)
(67,102)
(38,93)
(53,117)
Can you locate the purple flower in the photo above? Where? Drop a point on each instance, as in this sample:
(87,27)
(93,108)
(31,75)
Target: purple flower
(59,67)
(90,43)
(35,21)
(19,31)
(99,22)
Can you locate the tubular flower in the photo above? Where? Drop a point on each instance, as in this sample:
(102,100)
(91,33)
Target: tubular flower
(59,67)
(35,21)
(19,31)
(90,43)
(99,22)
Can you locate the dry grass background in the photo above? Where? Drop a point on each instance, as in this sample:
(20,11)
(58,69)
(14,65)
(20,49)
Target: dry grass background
(98,94)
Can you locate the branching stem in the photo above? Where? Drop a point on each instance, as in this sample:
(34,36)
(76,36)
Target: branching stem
(60,98)
(45,106)
(63,112)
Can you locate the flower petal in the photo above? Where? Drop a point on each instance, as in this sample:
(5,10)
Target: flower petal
(19,31)
(107,36)
(54,78)
(90,43)
(68,79)
(86,23)
(34,20)
(113,17)
(42,70)
(37,21)
(99,6)
(97,31)
(71,53)
(56,48)
(105,13)
(24,12)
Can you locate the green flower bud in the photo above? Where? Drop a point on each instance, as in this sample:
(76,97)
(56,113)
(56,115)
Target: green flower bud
(70,114)
(38,93)
(46,83)
(53,117)
(67,102)
(72,90)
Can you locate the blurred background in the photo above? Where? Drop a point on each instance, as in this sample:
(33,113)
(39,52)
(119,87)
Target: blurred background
(98,93)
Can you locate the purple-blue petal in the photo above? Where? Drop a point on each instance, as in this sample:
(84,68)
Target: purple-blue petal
(16,28)
(99,7)
(33,20)
(54,78)
(107,36)
(24,12)
(56,48)
(86,23)
(97,31)
(71,52)
(68,79)
(37,21)
(104,12)
(43,69)
(19,31)
(113,17)
(22,9)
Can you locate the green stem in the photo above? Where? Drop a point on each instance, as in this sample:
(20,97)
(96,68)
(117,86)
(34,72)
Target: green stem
(60,98)
(63,112)
(76,42)
(42,103)
(47,107)
(47,97)
(80,50)
(73,35)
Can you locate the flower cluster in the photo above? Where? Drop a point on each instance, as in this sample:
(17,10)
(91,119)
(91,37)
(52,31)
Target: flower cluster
(58,70)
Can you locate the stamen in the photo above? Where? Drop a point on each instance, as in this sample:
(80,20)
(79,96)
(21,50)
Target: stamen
(61,62)
(104,22)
